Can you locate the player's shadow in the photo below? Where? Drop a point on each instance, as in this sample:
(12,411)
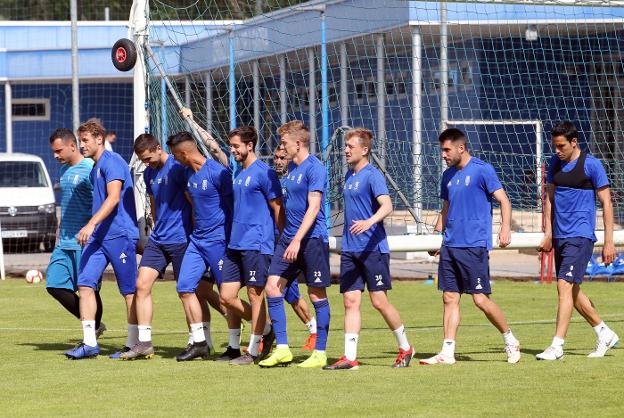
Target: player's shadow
(105,349)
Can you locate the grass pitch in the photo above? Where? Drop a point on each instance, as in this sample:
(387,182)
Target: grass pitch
(38,380)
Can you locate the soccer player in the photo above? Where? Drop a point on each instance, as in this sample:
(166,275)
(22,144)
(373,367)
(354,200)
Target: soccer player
(365,258)
(210,186)
(109,139)
(110,236)
(467,189)
(303,246)
(574,180)
(165,182)
(257,209)
(76,199)
(292,295)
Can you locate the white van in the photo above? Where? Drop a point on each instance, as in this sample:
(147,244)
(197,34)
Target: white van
(27,204)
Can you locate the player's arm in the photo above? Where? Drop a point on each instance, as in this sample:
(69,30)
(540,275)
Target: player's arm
(385,209)
(608,250)
(190,201)
(314,206)
(113,191)
(440,224)
(279,214)
(153,208)
(212,145)
(546,244)
(504,235)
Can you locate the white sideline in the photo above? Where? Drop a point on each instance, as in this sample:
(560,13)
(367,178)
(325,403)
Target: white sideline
(409,243)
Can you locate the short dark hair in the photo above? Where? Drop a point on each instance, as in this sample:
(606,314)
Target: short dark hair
(110,132)
(65,134)
(145,142)
(566,129)
(453,135)
(178,138)
(247,134)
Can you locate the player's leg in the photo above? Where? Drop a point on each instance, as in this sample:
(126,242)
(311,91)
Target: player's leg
(292,296)
(566,251)
(315,254)
(121,253)
(59,282)
(92,265)
(193,266)
(451,286)
(204,292)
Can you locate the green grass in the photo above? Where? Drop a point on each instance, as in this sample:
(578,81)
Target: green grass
(36,378)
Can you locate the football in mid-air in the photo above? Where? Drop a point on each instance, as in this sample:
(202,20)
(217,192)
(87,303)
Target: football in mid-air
(34,276)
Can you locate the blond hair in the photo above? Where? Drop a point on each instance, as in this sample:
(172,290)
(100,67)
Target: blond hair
(297,130)
(92,126)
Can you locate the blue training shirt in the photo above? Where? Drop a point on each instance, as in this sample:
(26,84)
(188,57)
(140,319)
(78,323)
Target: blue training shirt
(211,192)
(76,201)
(309,176)
(361,191)
(253,226)
(575,209)
(173,212)
(121,222)
(469,193)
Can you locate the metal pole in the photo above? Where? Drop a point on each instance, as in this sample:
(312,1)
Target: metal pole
(2,274)
(138,32)
(107,13)
(539,158)
(187,90)
(74,58)
(256,97)
(344,99)
(8,116)
(312,100)
(164,120)
(443,74)
(417,123)
(325,114)
(282,89)
(232,79)
(381,98)
(208,84)
(259,7)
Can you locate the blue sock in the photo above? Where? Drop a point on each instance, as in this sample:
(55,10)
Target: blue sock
(322,320)
(278,318)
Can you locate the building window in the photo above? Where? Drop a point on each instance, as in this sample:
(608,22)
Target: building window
(30,109)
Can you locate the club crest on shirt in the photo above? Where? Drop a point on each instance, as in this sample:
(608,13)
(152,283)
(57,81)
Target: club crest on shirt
(76,178)
(467,180)
(204,184)
(292,177)
(299,178)
(151,182)
(99,172)
(357,184)
(247,181)
(166,180)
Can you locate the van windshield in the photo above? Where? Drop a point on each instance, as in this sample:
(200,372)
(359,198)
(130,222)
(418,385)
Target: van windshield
(22,174)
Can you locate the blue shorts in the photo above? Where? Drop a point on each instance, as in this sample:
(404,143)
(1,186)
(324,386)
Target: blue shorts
(63,269)
(571,258)
(291,293)
(197,259)
(464,270)
(248,267)
(158,256)
(370,268)
(120,252)
(312,261)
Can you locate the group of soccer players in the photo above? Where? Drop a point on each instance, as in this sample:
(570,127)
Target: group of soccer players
(265,233)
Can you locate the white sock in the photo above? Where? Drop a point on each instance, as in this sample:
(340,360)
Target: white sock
(198,332)
(311,325)
(234,338)
(448,348)
(281,346)
(254,344)
(601,327)
(401,338)
(207,333)
(88,331)
(133,335)
(509,338)
(557,342)
(267,328)
(351,343)
(145,333)
(190,338)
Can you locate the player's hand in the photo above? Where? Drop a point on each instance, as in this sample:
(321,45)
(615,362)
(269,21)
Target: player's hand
(85,233)
(608,253)
(292,251)
(504,237)
(546,244)
(185,112)
(359,227)
(434,253)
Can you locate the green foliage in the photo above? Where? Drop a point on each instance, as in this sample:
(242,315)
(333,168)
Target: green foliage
(37,380)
